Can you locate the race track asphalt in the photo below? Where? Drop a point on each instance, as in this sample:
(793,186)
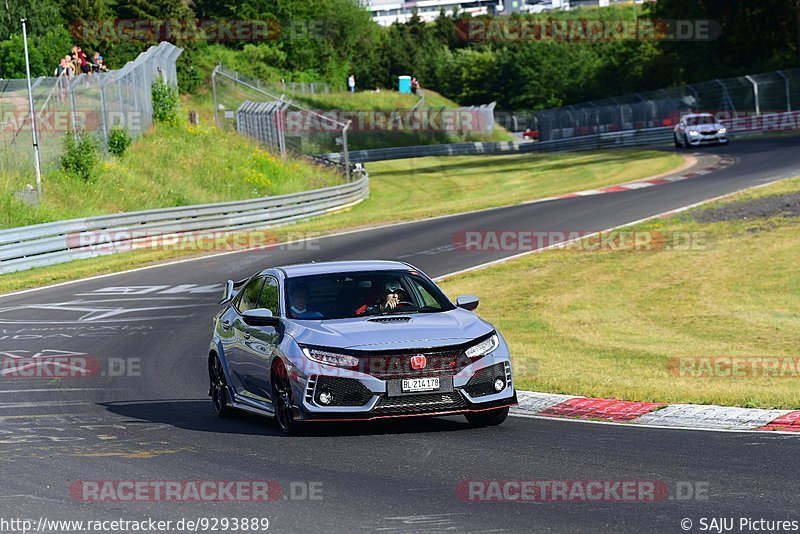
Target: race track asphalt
(154,422)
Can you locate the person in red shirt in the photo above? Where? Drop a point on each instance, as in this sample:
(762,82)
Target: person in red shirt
(85,67)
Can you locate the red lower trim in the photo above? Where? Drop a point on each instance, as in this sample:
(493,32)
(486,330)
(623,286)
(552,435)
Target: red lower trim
(396,416)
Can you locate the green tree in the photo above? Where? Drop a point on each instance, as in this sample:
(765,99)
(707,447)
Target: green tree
(755,36)
(44,50)
(42,16)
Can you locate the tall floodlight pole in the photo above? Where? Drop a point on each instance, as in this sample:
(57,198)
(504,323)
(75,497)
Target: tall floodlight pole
(32,112)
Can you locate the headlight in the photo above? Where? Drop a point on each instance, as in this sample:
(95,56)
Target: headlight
(484,347)
(722,130)
(330,358)
(694,132)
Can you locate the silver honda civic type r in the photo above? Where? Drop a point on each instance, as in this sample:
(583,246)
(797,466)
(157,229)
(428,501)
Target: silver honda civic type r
(355,340)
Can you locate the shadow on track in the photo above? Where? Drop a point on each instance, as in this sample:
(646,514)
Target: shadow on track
(197,415)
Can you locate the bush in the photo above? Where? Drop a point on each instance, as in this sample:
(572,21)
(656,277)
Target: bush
(81,156)
(165,101)
(118,140)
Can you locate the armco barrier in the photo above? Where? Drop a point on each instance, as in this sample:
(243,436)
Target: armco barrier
(630,138)
(662,136)
(47,244)
(50,243)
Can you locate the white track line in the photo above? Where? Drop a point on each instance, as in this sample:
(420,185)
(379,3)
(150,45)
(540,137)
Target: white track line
(250,249)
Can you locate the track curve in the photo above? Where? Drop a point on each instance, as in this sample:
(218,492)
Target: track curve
(156,423)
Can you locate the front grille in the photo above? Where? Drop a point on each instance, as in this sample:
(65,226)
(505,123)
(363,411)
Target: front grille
(482,382)
(396,363)
(411,404)
(345,391)
(399,365)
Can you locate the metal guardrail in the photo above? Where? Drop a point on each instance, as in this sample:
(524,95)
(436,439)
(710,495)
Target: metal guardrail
(661,136)
(648,137)
(50,243)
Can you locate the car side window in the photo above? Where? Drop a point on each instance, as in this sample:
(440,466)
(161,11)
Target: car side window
(427,298)
(269,296)
(248,298)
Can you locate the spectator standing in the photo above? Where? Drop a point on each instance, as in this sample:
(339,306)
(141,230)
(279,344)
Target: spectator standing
(351,83)
(414,85)
(60,68)
(73,57)
(69,67)
(84,61)
(97,63)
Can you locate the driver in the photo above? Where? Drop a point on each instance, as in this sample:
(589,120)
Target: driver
(299,307)
(395,296)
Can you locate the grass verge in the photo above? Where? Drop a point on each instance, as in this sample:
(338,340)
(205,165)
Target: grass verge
(168,166)
(406,190)
(661,325)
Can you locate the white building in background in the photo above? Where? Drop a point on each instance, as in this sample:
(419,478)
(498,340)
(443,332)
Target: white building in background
(387,12)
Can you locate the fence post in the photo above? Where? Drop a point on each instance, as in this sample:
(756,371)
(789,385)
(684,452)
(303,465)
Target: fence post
(696,97)
(755,93)
(73,107)
(214,92)
(788,90)
(725,95)
(33,115)
(282,105)
(122,103)
(345,150)
(596,128)
(103,114)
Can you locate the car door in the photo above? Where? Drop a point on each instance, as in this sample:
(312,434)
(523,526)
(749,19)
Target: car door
(238,364)
(261,342)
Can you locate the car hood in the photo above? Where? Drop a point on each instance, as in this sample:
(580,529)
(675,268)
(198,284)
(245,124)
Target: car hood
(422,330)
(705,128)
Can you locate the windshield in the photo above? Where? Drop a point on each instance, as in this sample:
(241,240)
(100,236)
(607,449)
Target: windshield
(363,294)
(697,120)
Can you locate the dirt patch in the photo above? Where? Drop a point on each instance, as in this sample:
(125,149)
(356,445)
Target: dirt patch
(760,208)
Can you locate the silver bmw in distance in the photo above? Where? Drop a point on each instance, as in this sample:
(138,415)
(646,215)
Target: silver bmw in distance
(695,129)
(354,340)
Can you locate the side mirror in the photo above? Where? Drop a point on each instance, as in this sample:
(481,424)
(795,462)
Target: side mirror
(468,302)
(227,295)
(260,317)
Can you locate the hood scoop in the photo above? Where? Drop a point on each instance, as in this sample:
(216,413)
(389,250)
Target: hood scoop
(395,319)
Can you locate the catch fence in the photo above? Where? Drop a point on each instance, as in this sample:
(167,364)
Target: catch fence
(85,103)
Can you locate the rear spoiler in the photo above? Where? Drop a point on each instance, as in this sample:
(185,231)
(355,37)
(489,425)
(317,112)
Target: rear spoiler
(231,290)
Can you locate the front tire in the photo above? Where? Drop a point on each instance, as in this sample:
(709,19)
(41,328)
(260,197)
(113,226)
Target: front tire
(487,418)
(219,388)
(283,403)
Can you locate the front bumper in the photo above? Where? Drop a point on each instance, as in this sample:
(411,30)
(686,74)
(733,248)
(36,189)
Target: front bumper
(364,397)
(425,408)
(710,139)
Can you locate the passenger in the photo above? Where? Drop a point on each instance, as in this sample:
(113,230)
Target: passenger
(372,302)
(299,308)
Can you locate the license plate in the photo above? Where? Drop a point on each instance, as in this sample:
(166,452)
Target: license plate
(419,384)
